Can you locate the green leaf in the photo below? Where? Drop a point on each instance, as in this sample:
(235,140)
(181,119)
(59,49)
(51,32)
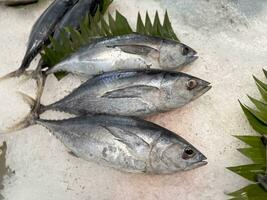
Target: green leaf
(257,155)
(75,37)
(257,152)
(259,104)
(258,114)
(256,124)
(251,192)
(262,92)
(263,85)
(123,26)
(156,29)
(105,27)
(140,27)
(148,24)
(112,25)
(253,141)
(167,26)
(249,171)
(105,5)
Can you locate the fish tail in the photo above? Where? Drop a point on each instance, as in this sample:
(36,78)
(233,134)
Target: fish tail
(22,69)
(31,118)
(35,105)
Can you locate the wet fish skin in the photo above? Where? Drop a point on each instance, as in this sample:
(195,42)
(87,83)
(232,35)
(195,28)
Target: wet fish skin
(74,17)
(132,93)
(126,144)
(127,52)
(42,29)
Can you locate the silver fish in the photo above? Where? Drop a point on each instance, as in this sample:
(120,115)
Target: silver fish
(127,52)
(41,30)
(74,17)
(132,93)
(127,144)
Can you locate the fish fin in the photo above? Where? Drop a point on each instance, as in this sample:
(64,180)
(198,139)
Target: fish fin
(15,74)
(131,140)
(30,119)
(130,92)
(27,99)
(137,49)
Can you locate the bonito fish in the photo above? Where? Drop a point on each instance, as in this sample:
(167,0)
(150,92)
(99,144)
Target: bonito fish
(127,144)
(74,17)
(127,52)
(132,93)
(41,30)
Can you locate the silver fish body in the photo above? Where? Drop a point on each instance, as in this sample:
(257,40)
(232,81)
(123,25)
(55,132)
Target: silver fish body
(127,144)
(132,93)
(127,52)
(74,17)
(44,27)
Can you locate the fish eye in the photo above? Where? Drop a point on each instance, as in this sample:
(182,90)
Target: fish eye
(188,153)
(185,51)
(191,84)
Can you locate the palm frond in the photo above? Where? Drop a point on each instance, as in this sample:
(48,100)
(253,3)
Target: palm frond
(257,150)
(97,26)
(253,191)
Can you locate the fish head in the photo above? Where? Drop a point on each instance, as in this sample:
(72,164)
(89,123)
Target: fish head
(175,154)
(174,55)
(182,88)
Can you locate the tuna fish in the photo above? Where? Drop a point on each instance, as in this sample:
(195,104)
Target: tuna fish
(132,93)
(42,29)
(127,52)
(127,144)
(74,17)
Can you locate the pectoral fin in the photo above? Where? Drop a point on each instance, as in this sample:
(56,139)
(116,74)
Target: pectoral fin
(133,142)
(138,50)
(130,92)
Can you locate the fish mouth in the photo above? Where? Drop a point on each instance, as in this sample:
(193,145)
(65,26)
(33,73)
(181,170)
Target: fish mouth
(205,88)
(198,164)
(203,161)
(192,58)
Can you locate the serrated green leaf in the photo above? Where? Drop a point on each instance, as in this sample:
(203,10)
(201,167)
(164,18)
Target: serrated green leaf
(257,155)
(105,27)
(262,92)
(256,124)
(167,26)
(263,85)
(257,119)
(75,38)
(253,141)
(140,27)
(258,114)
(259,104)
(112,25)
(156,25)
(251,192)
(249,171)
(104,6)
(148,25)
(84,26)
(123,26)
